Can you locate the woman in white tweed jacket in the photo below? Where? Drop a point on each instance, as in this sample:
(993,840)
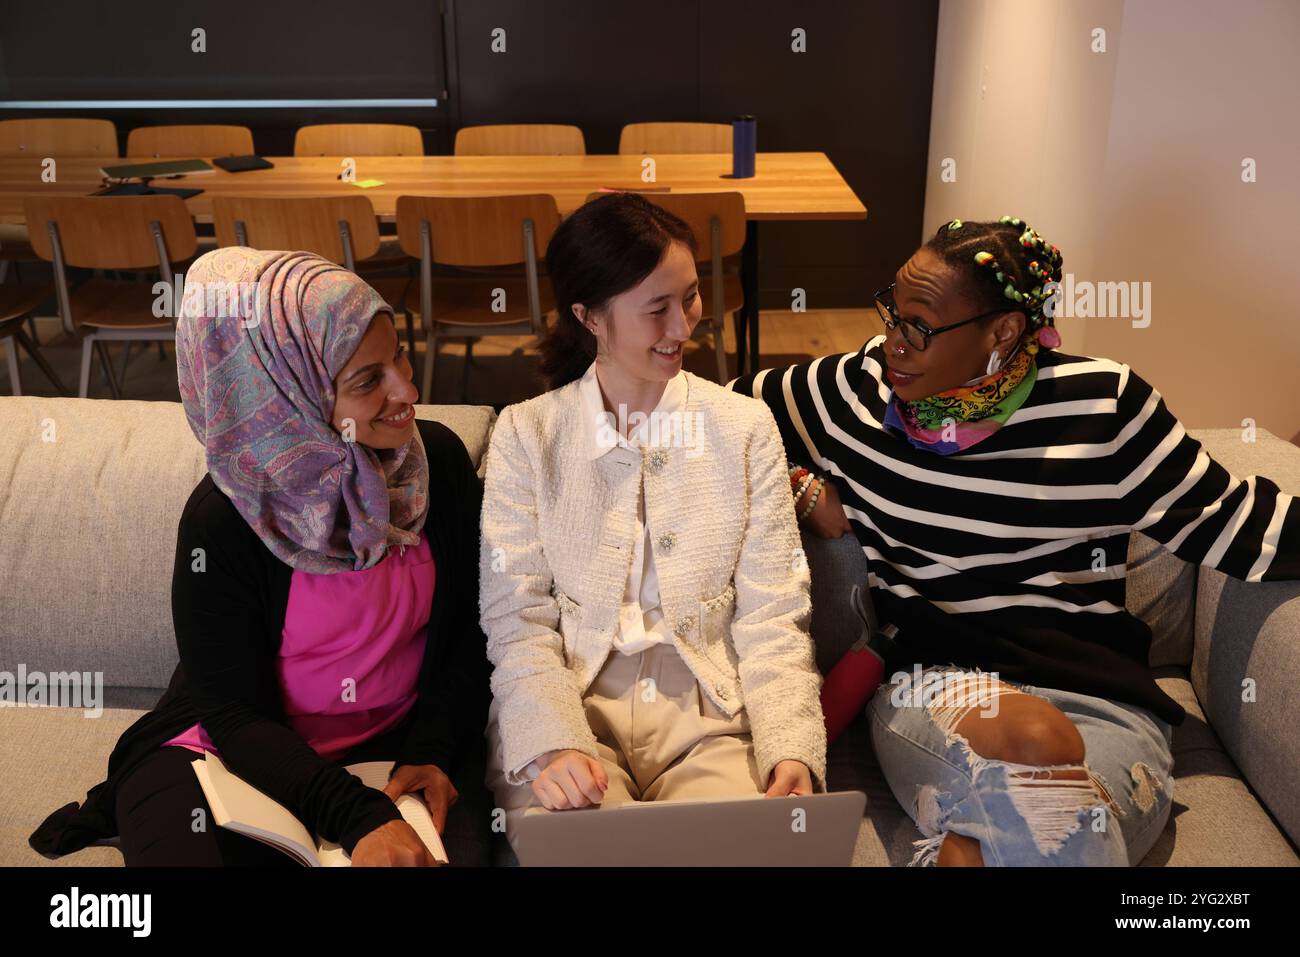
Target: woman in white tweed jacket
(643,590)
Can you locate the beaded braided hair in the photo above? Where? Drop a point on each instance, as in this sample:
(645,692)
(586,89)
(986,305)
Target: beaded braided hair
(1005,261)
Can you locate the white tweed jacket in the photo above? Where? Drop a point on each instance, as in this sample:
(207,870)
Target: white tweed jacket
(557,542)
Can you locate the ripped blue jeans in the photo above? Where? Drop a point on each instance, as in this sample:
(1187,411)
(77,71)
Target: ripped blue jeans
(1110,817)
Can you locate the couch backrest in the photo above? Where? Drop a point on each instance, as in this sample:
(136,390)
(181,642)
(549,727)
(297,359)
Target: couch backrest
(93,489)
(92,493)
(1246,662)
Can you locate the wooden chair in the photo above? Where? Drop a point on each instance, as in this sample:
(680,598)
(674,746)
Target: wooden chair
(525,139)
(111,232)
(476,232)
(358,139)
(343,229)
(44,136)
(718,222)
(640,138)
(189,141)
(17,302)
(57,138)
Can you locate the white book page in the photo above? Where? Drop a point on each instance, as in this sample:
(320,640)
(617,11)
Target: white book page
(240,807)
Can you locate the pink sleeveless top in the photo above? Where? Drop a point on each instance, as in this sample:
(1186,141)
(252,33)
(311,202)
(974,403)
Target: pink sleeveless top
(351,650)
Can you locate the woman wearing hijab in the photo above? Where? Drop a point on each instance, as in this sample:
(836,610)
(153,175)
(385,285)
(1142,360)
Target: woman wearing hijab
(993,484)
(323,591)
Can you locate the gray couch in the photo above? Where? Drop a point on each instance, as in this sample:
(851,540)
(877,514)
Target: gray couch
(88,530)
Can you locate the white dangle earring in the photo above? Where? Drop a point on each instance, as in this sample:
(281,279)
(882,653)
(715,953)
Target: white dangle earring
(994,363)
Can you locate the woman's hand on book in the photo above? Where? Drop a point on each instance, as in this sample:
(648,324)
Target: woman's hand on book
(435,787)
(789,778)
(827,519)
(570,779)
(392,844)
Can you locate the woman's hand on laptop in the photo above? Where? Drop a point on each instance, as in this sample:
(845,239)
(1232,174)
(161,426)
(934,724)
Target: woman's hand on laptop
(570,779)
(788,778)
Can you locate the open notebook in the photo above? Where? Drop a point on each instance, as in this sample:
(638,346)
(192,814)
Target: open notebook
(240,807)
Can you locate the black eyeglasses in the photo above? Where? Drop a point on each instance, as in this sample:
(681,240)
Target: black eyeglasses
(915,332)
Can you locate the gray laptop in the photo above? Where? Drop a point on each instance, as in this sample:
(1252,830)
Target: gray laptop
(814,831)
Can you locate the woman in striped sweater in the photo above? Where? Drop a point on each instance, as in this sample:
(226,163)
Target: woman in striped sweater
(993,485)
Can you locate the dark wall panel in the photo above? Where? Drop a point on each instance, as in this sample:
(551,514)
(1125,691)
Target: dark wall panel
(594,65)
(861,92)
(90,49)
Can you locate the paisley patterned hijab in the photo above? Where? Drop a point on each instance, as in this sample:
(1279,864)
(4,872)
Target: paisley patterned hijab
(259,340)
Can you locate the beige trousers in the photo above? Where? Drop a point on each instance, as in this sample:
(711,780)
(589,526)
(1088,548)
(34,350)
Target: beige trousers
(658,736)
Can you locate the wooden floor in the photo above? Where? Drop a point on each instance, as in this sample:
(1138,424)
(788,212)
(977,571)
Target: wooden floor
(504,368)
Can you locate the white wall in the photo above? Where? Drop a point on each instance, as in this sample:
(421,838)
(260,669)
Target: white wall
(1130,162)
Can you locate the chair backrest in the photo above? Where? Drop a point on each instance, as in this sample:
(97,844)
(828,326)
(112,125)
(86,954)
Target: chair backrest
(358,139)
(525,139)
(110,232)
(638,138)
(44,136)
(189,141)
(699,211)
(316,224)
(476,230)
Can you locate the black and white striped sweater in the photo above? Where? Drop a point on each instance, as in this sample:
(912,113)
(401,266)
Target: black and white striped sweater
(1011,557)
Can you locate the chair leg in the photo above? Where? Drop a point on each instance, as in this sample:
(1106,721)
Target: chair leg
(738,326)
(430,359)
(31,324)
(720,348)
(126,358)
(410,335)
(15,374)
(107,366)
(464,376)
(83,387)
(35,352)
(162,351)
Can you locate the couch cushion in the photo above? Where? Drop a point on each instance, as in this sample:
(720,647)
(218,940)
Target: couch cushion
(48,757)
(1217,819)
(94,491)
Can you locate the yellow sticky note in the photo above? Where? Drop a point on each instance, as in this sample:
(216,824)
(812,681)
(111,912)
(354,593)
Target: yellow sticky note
(367,183)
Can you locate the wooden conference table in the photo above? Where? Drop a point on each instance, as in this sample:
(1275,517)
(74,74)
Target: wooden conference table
(786,187)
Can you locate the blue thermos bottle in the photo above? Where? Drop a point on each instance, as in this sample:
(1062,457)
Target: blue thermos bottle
(744,145)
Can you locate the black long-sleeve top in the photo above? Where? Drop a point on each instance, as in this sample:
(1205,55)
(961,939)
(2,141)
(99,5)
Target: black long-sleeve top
(229,619)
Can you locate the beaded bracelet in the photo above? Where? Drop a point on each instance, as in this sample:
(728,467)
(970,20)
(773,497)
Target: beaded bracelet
(796,475)
(803,486)
(812,502)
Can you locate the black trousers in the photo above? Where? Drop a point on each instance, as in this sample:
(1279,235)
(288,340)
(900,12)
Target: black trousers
(157,804)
